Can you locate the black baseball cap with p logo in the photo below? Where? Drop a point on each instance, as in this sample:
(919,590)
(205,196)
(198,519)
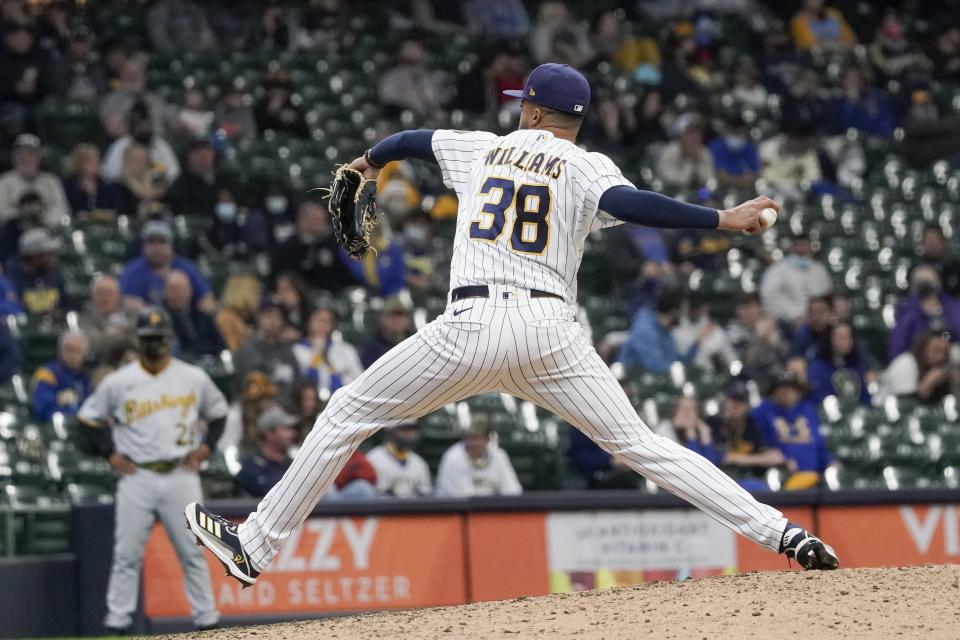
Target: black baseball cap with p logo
(556,86)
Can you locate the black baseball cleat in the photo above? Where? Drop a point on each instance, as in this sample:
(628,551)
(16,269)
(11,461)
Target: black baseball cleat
(807,549)
(219,535)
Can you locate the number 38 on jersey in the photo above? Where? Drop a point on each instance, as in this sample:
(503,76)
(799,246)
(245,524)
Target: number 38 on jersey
(530,231)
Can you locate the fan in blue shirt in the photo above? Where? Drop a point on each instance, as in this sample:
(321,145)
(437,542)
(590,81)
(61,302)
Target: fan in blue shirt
(144,278)
(736,160)
(61,385)
(790,423)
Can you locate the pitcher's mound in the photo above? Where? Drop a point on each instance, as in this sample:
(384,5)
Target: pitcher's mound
(907,602)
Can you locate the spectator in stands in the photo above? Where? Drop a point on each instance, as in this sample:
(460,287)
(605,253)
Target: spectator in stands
(788,284)
(35,274)
(410,85)
(89,195)
(307,404)
(29,215)
(195,330)
(736,160)
(612,122)
(143,279)
(278,29)
(140,182)
(61,385)
(393,327)
(10,359)
(687,427)
(195,191)
(233,115)
(256,395)
(312,251)
(54,28)
(267,351)
(924,372)
(103,320)
(24,77)
(272,219)
(649,113)
(383,271)
(475,467)
(650,344)
(130,90)
(747,90)
(9,300)
(819,27)
(946,54)
(686,163)
(714,353)
(790,423)
(480,90)
(276,111)
(357,479)
(193,118)
(934,252)
(263,469)
(557,37)
(292,296)
(810,334)
(324,356)
(423,265)
(790,160)
(857,106)
(839,368)
(163,158)
(176,26)
(25,176)
(739,440)
(238,309)
(756,337)
(80,77)
(613,40)
(232,234)
(891,52)
(597,468)
(501,19)
(805,102)
(927,309)
(400,471)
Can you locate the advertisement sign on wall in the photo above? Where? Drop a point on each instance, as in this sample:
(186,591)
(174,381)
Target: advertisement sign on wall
(590,550)
(330,564)
(891,535)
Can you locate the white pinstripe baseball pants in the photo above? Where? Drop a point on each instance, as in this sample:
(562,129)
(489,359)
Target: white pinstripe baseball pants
(529,348)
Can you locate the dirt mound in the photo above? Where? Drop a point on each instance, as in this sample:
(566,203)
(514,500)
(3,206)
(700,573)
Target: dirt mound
(908,602)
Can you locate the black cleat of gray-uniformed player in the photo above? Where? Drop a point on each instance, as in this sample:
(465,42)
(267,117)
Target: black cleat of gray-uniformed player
(219,535)
(807,549)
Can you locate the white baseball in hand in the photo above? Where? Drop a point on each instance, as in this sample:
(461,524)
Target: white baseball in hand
(768,217)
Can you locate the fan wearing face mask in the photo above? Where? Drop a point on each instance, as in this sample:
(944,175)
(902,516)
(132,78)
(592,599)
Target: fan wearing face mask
(231,233)
(736,161)
(195,191)
(928,308)
(788,285)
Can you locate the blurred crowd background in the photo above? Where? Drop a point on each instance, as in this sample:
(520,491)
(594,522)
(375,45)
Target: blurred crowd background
(164,153)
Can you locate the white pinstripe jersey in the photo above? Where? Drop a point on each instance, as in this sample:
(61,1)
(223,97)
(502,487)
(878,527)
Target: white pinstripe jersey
(528,200)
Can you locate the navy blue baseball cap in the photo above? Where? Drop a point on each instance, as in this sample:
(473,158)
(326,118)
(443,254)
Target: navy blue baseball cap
(556,86)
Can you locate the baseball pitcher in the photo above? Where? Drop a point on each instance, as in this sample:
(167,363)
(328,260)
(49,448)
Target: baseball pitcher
(143,419)
(528,200)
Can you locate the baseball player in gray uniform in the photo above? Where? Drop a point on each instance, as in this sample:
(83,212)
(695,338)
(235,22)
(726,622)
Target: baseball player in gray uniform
(527,202)
(143,418)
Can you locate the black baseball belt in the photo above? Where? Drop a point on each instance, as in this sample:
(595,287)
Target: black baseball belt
(483,291)
(160,466)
